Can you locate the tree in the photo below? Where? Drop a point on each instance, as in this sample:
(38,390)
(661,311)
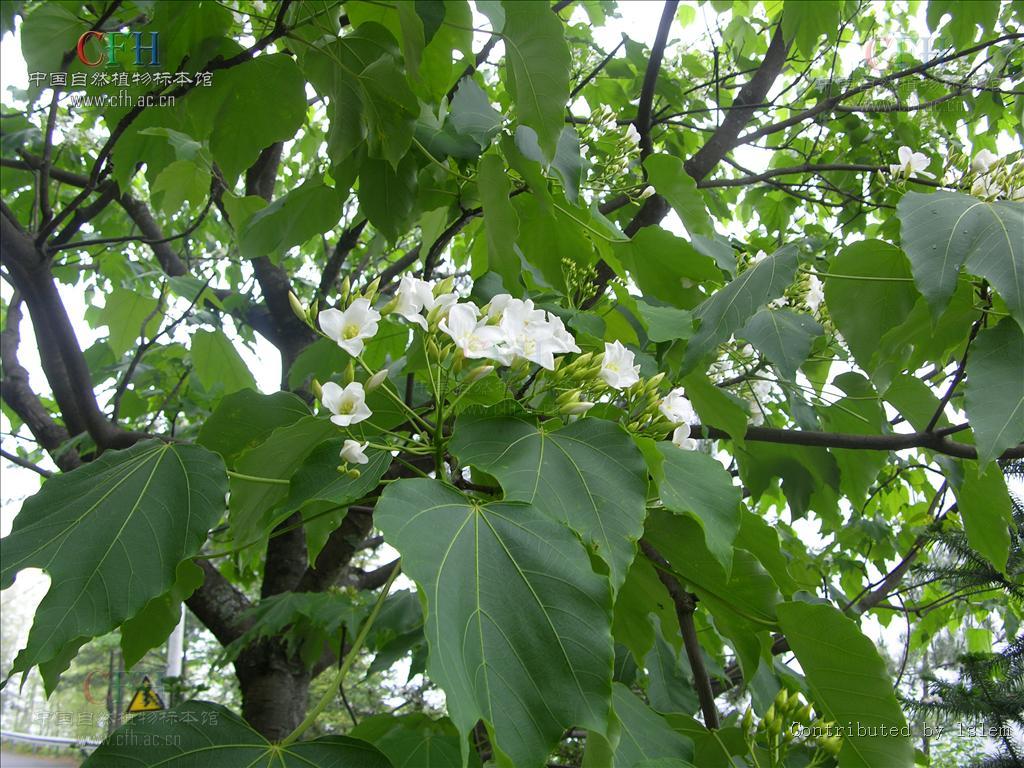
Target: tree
(584,333)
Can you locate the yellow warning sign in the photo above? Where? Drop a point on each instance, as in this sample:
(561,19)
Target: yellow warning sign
(145,698)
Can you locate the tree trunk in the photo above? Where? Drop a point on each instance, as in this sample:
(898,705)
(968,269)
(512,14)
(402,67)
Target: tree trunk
(275,689)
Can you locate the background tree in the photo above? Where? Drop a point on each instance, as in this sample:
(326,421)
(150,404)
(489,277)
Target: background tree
(784,234)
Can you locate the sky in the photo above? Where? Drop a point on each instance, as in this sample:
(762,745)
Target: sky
(639,22)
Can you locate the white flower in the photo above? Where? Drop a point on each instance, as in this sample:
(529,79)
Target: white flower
(681,438)
(632,135)
(648,191)
(529,334)
(677,408)
(412,296)
(983,161)
(352,452)
(348,405)
(778,303)
(617,368)
(815,293)
(762,389)
(474,339)
(756,415)
(351,327)
(759,257)
(911,163)
(497,304)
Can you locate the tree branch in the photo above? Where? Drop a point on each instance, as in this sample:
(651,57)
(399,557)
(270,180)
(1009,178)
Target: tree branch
(25,463)
(219,605)
(899,442)
(18,394)
(643,113)
(685,605)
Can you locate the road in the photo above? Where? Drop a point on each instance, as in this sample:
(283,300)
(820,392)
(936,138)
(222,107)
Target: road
(10,759)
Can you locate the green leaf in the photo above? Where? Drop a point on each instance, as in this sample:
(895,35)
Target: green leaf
(728,309)
(696,484)
(538,69)
(859,413)
(589,475)
(809,476)
(124,313)
(244,419)
(181,181)
(716,407)
(305,622)
(150,627)
(318,479)
(472,114)
(569,164)
(290,220)
(804,21)
(218,364)
(277,457)
(235,113)
(669,679)
(965,18)
(387,194)
(641,596)
(415,741)
(994,392)
(110,541)
(518,623)
(667,267)
(49,32)
(783,337)
(849,682)
(672,182)
(500,221)
(864,310)
(665,323)
(201,733)
(986,510)
(748,592)
(943,230)
(644,735)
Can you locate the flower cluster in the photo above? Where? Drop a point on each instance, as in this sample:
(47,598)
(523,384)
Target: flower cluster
(508,332)
(995,179)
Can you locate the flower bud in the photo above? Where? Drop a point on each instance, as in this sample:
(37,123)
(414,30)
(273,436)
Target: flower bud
(376,380)
(655,381)
(582,361)
(346,289)
(353,474)
(568,397)
(388,308)
(575,408)
(432,350)
(371,290)
(312,313)
(318,391)
(478,373)
(350,374)
(748,720)
(647,192)
(445,286)
(770,714)
(297,308)
(831,744)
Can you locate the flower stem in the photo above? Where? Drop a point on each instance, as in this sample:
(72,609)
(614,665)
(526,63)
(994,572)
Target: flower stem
(255,479)
(350,658)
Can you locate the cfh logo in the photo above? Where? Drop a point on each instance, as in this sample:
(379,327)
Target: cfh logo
(113,45)
(880,52)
